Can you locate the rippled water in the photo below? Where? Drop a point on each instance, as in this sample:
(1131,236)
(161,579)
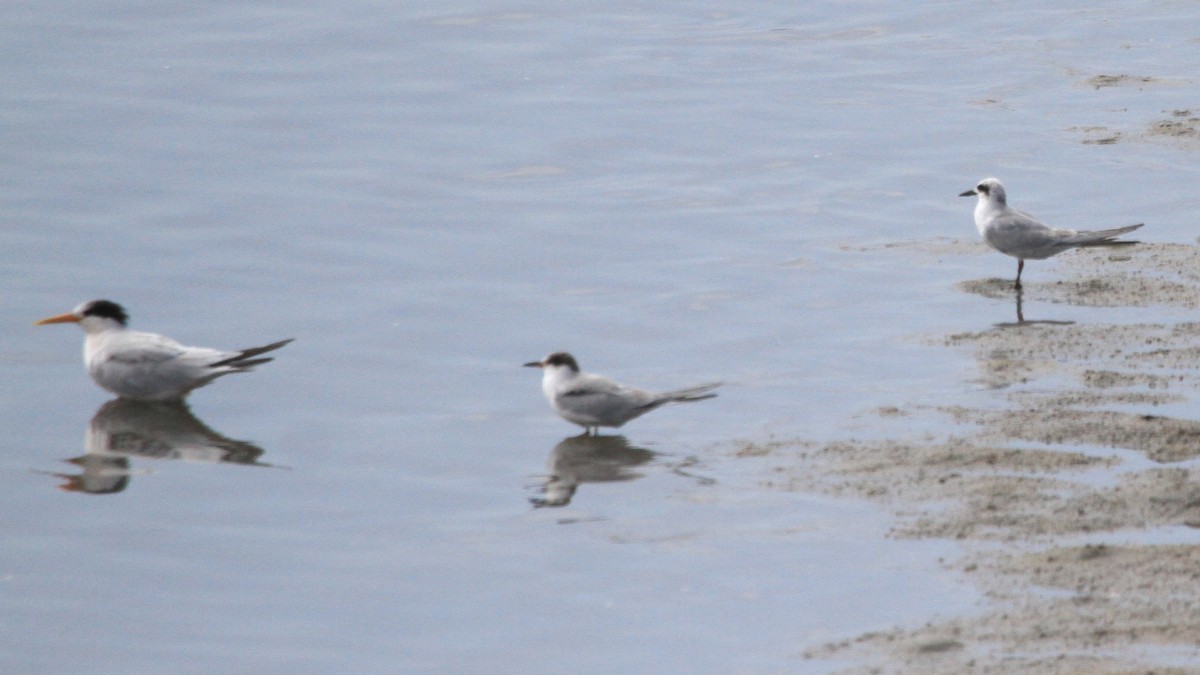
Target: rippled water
(428,196)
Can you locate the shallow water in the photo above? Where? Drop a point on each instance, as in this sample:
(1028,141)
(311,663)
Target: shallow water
(427,197)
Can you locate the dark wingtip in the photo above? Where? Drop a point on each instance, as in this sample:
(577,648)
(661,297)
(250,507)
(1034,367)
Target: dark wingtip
(251,363)
(240,359)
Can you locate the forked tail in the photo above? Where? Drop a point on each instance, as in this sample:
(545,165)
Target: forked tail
(697,393)
(1103,237)
(242,359)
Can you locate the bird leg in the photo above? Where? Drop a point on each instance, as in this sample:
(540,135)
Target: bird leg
(1020,266)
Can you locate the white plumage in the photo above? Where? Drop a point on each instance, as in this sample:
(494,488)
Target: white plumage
(594,401)
(1023,236)
(146,366)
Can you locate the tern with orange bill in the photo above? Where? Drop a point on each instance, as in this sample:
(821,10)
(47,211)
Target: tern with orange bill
(146,366)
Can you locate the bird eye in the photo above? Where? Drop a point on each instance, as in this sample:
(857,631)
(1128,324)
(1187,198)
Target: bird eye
(982,188)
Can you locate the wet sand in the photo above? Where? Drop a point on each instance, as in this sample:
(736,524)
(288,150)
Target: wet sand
(1180,127)
(1073,494)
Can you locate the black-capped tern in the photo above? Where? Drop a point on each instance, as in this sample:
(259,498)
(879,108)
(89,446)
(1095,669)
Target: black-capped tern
(594,401)
(146,366)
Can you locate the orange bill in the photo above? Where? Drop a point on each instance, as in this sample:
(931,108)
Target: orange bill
(61,318)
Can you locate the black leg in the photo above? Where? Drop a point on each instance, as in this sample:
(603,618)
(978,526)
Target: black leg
(1020,267)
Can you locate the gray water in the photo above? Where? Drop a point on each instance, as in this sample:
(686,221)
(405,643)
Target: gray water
(428,195)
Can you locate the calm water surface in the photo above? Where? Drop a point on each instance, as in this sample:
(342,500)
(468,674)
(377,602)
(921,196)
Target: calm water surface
(428,196)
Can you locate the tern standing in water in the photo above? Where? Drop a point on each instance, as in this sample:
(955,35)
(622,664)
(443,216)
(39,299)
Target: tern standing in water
(145,366)
(1024,237)
(594,401)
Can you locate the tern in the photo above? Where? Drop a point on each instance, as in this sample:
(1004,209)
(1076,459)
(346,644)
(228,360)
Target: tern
(1024,237)
(146,366)
(593,401)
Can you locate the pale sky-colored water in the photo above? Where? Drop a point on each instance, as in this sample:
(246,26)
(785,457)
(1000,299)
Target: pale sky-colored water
(428,196)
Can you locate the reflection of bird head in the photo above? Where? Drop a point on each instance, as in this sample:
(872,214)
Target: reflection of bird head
(101,475)
(81,484)
(73,484)
(555,492)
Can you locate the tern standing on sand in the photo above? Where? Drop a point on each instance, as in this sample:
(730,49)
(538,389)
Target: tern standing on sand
(1024,237)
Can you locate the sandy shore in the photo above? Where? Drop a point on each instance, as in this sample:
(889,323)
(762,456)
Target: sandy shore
(1075,503)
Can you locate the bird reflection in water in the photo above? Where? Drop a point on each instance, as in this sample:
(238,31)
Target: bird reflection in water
(122,429)
(1022,321)
(588,459)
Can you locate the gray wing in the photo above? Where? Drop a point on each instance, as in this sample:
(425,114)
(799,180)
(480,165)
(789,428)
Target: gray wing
(601,399)
(151,350)
(171,356)
(599,392)
(147,365)
(1019,234)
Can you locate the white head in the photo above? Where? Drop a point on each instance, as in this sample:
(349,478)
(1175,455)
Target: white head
(94,316)
(557,369)
(989,190)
